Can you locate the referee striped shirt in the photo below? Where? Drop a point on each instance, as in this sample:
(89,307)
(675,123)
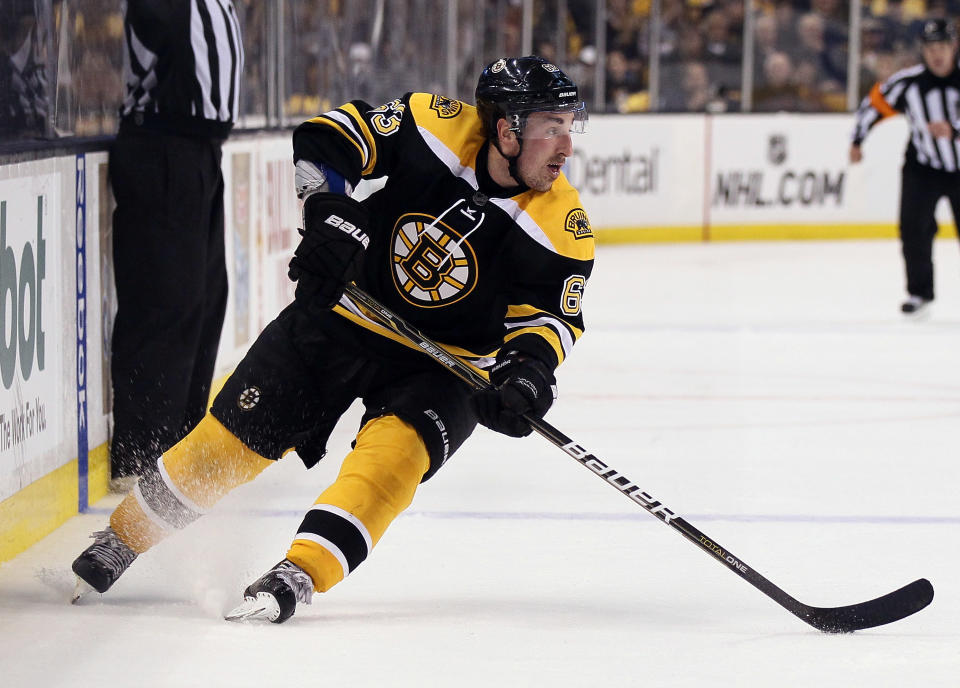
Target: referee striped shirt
(182,65)
(923,98)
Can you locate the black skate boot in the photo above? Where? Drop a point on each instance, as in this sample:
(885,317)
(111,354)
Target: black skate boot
(102,563)
(274,595)
(915,305)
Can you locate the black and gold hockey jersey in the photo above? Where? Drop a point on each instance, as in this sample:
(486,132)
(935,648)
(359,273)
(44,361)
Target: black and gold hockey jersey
(473,265)
(924,98)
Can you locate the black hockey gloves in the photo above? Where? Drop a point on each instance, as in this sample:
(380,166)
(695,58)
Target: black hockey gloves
(520,386)
(331,251)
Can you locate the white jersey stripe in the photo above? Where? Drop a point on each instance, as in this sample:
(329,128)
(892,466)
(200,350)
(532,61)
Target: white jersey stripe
(225,61)
(202,61)
(181,497)
(563,332)
(347,516)
(526,223)
(154,518)
(329,546)
(346,121)
(921,136)
(238,66)
(935,106)
(449,158)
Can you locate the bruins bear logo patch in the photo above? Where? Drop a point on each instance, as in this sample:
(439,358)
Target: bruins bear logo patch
(446,108)
(578,224)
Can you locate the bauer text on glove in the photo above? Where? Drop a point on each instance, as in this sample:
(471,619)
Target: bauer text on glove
(331,251)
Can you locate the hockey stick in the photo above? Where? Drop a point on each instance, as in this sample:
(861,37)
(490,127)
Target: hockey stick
(877,612)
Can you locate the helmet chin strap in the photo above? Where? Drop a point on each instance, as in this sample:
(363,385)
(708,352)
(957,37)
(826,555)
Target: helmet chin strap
(512,159)
(512,164)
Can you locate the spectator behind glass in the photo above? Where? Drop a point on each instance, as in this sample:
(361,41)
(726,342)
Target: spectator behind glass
(893,26)
(622,81)
(722,45)
(97,67)
(23,80)
(723,49)
(786,16)
(624,25)
(778,92)
(765,40)
(827,70)
(696,93)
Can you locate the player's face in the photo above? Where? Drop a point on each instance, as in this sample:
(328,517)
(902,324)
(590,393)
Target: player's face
(546,146)
(940,57)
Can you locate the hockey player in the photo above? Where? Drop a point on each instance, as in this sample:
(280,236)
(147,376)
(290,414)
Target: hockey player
(928,94)
(477,238)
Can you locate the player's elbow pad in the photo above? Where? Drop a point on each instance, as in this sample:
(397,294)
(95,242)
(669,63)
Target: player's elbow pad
(312,177)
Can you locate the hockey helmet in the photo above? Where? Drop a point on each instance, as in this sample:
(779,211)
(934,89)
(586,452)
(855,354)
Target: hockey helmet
(513,87)
(938,30)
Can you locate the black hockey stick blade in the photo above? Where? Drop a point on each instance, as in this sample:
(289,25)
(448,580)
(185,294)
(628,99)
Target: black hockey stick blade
(883,610)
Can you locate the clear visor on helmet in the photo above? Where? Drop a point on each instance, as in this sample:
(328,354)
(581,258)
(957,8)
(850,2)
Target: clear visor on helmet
(536,123)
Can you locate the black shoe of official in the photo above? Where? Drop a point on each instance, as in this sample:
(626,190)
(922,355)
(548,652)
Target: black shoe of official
(914,304)
(103,562)
(274,595)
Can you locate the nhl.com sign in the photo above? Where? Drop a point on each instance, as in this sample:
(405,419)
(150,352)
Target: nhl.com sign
(778,181)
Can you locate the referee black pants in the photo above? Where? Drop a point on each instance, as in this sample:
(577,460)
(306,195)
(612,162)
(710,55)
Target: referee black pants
(921,190)
(171,282)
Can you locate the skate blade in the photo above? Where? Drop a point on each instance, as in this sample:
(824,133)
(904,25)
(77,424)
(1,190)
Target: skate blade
(81,590)
(263,606)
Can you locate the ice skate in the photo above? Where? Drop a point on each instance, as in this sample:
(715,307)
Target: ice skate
(102,563)
(275,594)
(915,305)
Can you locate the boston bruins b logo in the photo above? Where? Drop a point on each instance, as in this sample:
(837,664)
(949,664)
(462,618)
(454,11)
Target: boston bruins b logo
(432,265)
(248,398)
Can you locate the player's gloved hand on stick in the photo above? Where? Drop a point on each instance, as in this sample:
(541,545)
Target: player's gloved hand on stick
(521,386)
(331,251)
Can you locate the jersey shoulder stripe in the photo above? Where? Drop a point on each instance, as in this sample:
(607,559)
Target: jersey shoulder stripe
(558,333)
(349,123)
(451,123)
(365,133)
(557,220)
(338,122)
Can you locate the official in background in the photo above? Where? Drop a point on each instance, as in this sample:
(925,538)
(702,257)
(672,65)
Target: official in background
(929,95)
(182,72)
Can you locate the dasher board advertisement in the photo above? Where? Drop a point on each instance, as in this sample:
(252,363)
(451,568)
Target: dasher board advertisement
(31,359)
(640,171)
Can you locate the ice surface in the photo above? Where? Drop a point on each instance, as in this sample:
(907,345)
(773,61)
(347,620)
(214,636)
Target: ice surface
(770,393)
